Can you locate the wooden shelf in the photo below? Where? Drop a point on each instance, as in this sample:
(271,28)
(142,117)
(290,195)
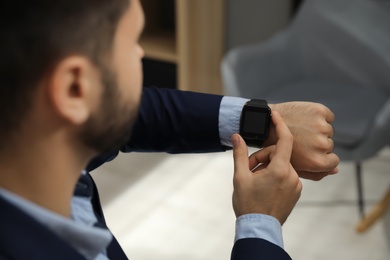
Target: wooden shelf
(190,34)
(160,46)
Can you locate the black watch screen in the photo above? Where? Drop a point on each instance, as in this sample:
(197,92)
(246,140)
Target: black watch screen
(255,122)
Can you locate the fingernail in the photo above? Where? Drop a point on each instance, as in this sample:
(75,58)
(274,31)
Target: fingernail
(235,140)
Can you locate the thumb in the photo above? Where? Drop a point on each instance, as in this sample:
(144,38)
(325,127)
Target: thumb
(240,154)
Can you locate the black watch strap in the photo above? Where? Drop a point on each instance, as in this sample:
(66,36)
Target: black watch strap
(254,143)
(257,102)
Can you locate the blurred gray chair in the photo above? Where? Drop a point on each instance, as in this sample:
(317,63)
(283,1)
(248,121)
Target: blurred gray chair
(336,52)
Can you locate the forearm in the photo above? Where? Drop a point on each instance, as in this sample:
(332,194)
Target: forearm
(176,122)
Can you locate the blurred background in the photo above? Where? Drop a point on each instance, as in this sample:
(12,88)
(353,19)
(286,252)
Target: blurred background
(175,207)
(336,52)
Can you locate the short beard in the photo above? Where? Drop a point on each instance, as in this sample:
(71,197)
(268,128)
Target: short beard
(110,127)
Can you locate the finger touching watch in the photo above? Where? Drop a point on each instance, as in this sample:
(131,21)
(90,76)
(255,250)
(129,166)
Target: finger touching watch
(255,122)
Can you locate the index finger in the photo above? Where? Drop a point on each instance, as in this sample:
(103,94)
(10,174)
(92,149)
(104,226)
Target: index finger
(284,143)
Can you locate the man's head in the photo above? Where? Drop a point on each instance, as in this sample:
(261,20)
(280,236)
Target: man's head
(80,58)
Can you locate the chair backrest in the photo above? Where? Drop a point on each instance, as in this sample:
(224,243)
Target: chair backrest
(343,41)
(336,52)
(348,43)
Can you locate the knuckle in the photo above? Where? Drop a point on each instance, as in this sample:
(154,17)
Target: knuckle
(322,109)
(319,162)
(325,111)
(326,144)
(317,177)
(322,143)
(279,176)
(324,127)
(299,187)
(328,129)
(283,174)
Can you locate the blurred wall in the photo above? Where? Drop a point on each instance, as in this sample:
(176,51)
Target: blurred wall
(251,21)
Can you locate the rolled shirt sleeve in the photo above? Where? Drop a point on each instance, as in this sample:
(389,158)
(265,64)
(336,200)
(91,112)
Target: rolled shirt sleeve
(229,118)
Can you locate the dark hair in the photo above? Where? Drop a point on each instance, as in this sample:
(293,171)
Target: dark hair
(37,34)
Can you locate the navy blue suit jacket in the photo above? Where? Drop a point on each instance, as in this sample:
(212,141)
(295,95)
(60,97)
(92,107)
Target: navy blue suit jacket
(169,121)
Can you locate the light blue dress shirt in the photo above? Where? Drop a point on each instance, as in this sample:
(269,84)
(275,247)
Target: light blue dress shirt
(92,242)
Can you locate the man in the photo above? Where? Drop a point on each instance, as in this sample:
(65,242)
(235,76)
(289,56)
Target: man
(71,88)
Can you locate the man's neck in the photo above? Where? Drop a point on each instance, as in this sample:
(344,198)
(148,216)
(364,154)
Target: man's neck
(42,171)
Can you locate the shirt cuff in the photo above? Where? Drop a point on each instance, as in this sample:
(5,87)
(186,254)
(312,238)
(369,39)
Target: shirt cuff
(259,226)
(229,118)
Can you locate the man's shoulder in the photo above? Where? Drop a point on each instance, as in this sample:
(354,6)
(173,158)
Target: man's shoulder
(22,237)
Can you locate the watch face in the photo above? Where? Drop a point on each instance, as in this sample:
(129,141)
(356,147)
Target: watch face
(255,123)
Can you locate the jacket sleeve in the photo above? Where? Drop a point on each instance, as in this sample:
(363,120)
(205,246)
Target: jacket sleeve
(257,249)
(173,121)
(176,122)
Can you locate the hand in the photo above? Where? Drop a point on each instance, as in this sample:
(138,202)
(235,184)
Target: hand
(310,124)
(273,188)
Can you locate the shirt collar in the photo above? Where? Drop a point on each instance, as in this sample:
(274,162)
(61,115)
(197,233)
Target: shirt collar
(87,240)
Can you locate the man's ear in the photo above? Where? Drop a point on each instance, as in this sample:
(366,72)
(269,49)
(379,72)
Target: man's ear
(73,89)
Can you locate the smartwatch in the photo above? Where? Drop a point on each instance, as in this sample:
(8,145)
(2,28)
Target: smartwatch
(255,122)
